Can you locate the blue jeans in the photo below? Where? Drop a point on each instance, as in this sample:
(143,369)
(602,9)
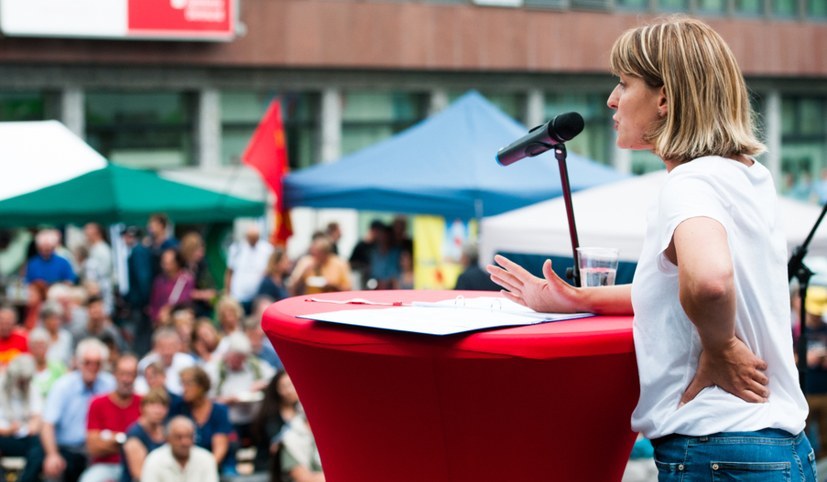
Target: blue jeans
(767,455)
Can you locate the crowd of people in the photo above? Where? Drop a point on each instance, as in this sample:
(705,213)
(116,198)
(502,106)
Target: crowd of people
(169,379)
(98,377)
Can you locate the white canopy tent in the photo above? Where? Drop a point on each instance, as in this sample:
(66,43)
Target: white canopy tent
(38,154)
(612,215)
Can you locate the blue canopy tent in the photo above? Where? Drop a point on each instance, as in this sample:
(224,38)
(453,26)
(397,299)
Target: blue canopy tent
(444,166)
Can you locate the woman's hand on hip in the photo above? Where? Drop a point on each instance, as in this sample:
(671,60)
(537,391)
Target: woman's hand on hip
(733,368)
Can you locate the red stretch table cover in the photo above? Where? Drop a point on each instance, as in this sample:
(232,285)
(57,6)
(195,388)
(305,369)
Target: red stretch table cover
(536,403)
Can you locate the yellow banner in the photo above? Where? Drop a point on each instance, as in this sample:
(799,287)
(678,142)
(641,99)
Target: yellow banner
(438,249)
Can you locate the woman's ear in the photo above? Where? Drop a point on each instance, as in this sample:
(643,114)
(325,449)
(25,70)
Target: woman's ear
(663,106)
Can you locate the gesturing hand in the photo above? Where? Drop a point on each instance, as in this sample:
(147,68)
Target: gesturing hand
(733,368)
(547,294)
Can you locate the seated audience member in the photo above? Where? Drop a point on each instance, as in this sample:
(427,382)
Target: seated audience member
(37,296)
(47,265)
(261,346)
(320,271)
(384,260)
(229,313)
(73,301)
(20,409)
(236,379)
(46,371)
(193,252)
(360,256)
(145,435)
(274,282)
(12,340)
(279,407)
(473,277)
(109,418)
(98,267)
(406,271)
(167,349)
(98,325)
(61,342)
(172,286)
(300,461)
(212,421)
(183,320)
(205,341)
(63,435)
(154,378)
(179,460)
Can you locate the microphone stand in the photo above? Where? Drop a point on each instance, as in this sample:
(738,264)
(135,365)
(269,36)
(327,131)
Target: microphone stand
(798,270)
(572,273)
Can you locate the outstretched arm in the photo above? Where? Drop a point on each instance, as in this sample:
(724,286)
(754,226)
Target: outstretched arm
(552,294)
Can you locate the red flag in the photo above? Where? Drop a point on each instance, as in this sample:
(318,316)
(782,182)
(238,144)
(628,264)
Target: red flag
(267,153)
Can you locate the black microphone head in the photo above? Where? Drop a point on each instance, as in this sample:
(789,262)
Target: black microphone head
(566,126)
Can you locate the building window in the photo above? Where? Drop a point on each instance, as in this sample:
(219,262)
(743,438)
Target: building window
(22,106)
(595,142)
(817,8)
(749,8)
(673,5)
(712,6)
(784,8)
(804,144)
(636,5)
(141,129)
(369,117)
(241,112)
(550,4)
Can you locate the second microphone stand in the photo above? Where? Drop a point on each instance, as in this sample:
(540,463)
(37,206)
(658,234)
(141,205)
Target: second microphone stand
(798,270)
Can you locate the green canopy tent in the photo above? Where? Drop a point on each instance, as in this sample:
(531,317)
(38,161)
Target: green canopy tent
(116,194)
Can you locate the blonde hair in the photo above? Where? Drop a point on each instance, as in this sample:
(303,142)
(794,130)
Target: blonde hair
(709,111)
(190,243)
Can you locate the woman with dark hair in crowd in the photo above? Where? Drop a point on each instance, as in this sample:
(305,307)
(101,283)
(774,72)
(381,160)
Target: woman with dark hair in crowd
(145,435)
(213,429)
(280,406)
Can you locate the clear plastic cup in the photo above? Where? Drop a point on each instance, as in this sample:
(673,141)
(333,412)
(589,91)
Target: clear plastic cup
(598,266)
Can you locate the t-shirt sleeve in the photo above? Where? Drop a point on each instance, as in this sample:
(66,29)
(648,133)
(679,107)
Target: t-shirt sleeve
(686,196)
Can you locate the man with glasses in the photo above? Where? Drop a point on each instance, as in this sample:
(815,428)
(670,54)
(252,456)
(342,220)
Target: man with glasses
(180,460)
(63,435)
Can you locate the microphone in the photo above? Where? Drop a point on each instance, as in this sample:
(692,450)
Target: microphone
(540,139)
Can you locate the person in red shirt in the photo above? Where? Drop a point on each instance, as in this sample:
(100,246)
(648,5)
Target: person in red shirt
(12,341)
(109,418)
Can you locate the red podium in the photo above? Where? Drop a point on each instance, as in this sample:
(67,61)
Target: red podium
(546,402)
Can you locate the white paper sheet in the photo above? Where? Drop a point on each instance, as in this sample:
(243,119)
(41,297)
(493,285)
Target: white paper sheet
(456,315)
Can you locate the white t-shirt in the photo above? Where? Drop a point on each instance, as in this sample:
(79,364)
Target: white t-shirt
(248,264)
(667,344)
(161,466)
